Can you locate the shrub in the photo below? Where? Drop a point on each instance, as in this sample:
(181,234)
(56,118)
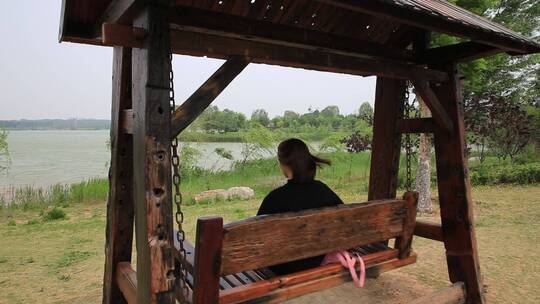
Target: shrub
(12,223)
(508,174)
(54,214)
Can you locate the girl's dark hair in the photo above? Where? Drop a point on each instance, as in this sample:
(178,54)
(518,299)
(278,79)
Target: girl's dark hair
(295,154)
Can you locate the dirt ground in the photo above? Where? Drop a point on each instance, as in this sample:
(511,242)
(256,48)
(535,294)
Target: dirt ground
(393,287)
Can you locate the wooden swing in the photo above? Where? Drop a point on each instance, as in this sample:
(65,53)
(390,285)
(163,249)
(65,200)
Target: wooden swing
(384,38)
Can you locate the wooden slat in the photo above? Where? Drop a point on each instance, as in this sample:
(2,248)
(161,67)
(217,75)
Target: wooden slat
(404,241)
(126,280)
(461,52)
(273,239)
(455,194)
(428,230)
(415,125)
(199,44)
(386,143)
(432,23)
(194,20)
(119,231)
(289,286)
(205,94)
(207,262)
(118,11)
(454,294)
(438,112)
(152,160)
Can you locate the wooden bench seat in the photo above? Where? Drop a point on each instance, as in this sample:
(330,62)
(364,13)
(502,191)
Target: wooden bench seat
(227,265)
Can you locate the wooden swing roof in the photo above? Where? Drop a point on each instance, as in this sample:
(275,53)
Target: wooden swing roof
(329,35)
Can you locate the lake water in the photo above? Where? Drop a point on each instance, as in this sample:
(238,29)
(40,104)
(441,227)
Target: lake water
(43,158)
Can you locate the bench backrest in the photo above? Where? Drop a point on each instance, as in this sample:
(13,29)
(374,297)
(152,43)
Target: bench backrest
(273,239)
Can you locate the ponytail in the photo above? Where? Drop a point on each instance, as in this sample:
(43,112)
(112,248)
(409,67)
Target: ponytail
(295,154)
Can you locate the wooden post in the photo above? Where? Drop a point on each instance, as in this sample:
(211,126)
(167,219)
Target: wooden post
(119,233)
(455,193)
(152,159)
(208,260)
(386,143)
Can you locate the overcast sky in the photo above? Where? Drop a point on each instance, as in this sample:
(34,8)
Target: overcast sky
(41,78)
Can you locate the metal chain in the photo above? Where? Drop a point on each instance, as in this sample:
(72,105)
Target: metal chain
(181,273)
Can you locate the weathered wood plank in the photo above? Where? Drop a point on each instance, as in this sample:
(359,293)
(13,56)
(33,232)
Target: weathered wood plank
(207,260)
(126,279)
(422,20)
(119,231)
(386,143)
(122,35)
(200,44)
(455,193)
(279,289)
(438,112)
(126,120)
(460,52)
(415,125)
(218,24)
(404,241)
(152,160)
(118,11)
(454,294)
(206,93)
(428,230)
(273,239)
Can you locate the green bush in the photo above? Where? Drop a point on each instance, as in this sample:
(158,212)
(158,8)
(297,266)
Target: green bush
(54,214)
(12,223)
(506,174)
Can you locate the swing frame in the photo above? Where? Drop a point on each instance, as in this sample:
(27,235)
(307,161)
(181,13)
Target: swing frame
(387,39)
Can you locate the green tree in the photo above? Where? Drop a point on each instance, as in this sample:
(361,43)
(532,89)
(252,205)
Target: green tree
(261,117)
(257,142)
(5,160)
(330,111)
(366,113)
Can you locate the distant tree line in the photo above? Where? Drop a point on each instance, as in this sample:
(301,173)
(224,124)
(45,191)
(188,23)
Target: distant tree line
(56,124)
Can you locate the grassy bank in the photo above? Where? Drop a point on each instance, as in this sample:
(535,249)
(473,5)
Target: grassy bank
(54,257)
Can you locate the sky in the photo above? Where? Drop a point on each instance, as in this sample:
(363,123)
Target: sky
(41,78)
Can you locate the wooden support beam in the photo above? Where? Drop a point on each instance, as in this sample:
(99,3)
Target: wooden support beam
(386,143)
(428,230)
(118,12)
(126,121)
(456,205)
(122,35)
(126,279)
(424,90)
(405,15)
(404,242)
(454,294)
(208,260)
(461,52)
(119,231)
(206,94)
(415,125)
(152,160)
(225,25)
(199,44)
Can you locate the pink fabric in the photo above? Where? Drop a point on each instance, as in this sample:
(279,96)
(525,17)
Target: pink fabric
(346,260)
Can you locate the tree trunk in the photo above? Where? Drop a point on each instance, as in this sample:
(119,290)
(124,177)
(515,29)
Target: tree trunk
(423,171)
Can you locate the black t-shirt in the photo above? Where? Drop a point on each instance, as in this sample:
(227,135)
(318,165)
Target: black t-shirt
(293,197)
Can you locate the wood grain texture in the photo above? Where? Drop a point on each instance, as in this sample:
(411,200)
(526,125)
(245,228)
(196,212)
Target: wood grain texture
(126,279)
(454,294)
(432,231)
(152,160)
(460,52)
(206,93)
(404,241)
(277,293)
(119,231)
(386,143)
(207,260)
(455,194)
(268,240)
(424,90)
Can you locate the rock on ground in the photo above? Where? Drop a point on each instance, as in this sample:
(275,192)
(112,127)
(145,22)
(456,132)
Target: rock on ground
(243,193)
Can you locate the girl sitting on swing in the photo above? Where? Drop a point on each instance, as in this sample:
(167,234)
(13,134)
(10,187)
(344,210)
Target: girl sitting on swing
(302,191)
